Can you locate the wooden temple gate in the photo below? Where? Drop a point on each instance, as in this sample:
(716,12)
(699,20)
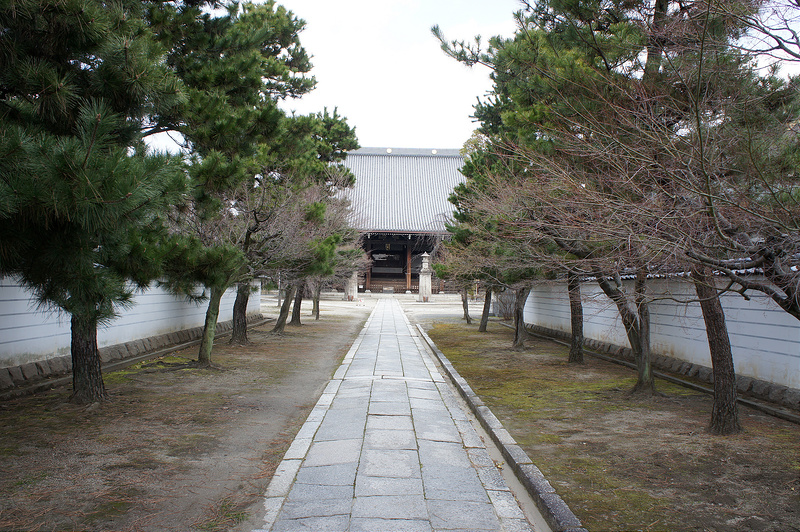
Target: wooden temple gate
(396,261)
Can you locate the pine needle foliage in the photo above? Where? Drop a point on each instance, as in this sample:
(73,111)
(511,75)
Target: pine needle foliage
(82,200)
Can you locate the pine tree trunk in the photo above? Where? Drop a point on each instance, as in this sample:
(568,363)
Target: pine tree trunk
(317,293)
(645,382)
(465,305)
(487,306)
(725,411)
(638,332)
(210,327)
(87,376)
(653,61)
(239,332)
(576,318)
(520,332)
(287,302)
(298,301)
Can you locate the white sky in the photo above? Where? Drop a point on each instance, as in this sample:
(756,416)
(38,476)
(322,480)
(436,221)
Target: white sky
(377,61)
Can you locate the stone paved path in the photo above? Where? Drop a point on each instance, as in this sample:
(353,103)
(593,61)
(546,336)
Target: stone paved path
(388,447)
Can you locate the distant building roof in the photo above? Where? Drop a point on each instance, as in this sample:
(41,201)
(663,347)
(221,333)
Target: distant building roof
(403,190)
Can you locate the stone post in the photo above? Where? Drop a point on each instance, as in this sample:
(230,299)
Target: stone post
(425,274)
(351,288)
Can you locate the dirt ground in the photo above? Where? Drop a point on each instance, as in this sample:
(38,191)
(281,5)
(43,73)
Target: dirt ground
(626,463)
(174,449)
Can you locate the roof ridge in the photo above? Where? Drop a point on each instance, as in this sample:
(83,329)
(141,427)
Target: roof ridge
(414,152)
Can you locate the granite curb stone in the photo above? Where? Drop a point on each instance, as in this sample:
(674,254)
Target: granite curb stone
(534,479)
(516,456)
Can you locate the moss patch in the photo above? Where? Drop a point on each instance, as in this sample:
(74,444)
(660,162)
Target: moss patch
(192,445)
(31,479)
(112,504)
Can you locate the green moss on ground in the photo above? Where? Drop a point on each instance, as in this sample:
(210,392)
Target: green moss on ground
(112,504)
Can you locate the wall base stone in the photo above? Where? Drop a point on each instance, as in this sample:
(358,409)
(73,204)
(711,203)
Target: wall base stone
(16,375)
(743,384)
(43,367)
(759,389)
(5,379)
(59,365)
(776,393)
(32,372)
(792,398)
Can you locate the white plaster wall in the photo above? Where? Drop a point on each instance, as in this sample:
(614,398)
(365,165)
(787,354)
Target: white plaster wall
(28,334)
(548,306)
(765,340)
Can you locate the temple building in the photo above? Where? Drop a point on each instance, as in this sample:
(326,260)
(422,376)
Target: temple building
(400,207)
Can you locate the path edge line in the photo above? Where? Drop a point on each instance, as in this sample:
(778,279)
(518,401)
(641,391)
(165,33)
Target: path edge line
(553,508)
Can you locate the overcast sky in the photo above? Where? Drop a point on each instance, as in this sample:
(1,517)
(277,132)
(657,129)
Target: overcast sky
(377,61)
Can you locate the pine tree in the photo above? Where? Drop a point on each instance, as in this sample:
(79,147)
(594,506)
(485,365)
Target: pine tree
(650,142)
(81,199)
(236,66)
(307,153)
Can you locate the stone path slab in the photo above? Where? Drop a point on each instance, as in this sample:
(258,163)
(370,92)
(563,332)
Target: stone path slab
(388,447)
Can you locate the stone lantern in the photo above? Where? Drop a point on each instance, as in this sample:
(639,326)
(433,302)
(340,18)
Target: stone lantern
(425,274)
(351,287)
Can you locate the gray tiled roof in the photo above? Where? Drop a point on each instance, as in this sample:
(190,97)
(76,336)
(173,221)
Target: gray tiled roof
(403,190)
